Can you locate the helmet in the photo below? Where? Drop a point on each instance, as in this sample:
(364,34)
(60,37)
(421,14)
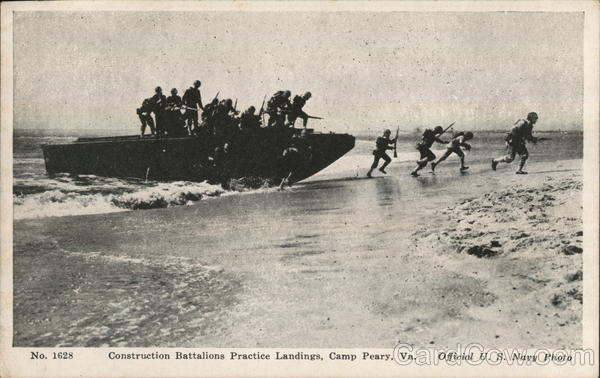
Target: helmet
(228,102)
(469,135)
(531,116)
(387,132)
(174,91)
(438,129)
(158,90)
(197,83)
(251,109)
(287,94)
(307,95)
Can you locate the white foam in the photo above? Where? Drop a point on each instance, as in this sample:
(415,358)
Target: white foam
(71,200)
(56,203)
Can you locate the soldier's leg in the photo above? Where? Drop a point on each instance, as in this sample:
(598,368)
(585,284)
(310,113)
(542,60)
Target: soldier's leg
(461,156)
(374,165)
(187,120)
(286,180)
(194,122)
(430,157)
(508,158)
(426,156)
(387,160)
(524,156)
(158,123)
(505,159)
(143,121)
(289,164)
(304,117)
(420,165)
(150,123)
(375,161)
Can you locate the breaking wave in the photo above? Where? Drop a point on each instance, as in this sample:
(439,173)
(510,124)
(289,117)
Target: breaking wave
(166,194)
(68,199)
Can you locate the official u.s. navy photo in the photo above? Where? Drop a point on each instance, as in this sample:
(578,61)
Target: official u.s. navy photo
(239,179)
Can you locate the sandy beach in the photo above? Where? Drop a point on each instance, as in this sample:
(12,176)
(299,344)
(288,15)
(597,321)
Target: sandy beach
(487,257)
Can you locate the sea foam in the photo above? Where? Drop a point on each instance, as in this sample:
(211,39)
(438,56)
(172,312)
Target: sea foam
(63,202)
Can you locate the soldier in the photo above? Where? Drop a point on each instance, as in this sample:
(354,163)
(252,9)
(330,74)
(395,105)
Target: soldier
(296,110)
(208,116)
(295,156)
(173,114)
(174,101)
(382,145)
(424,147)
(458,141)
(277,105)
(249,120)
(192,99)
(143,113)
(159,101)
(229,108)
(224,122)
(516,142)
(221,164)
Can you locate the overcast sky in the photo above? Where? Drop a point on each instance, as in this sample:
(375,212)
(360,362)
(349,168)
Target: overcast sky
(366,70)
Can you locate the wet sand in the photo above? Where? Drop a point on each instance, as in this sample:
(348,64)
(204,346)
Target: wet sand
(488,257)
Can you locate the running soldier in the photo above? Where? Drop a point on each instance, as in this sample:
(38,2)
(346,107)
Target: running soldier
(516,142)
(191,101)
(296,110)
(458,141)
(159,102)
(143,113)
(295,157)
(277,105)
(424,147)
(382,145)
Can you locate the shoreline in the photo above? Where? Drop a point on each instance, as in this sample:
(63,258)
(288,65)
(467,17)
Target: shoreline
(352,262)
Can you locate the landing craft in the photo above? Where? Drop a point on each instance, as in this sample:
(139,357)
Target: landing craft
(251,153)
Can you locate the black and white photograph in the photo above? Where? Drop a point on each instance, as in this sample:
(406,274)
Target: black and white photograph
(289,183)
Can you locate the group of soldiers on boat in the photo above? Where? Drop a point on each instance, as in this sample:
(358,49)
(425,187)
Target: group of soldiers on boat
(182,116)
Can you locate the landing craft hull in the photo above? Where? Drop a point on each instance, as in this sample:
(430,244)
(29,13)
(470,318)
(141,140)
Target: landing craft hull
(252,153)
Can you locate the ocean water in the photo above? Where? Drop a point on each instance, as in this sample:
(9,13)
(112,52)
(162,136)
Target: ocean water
(37,195)
(335,260)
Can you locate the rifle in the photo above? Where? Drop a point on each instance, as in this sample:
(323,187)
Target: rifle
(446,129)
(313,117)
(261,113)
(235,105)
(217,95)
(262,107)
(541,139)
(396,142)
